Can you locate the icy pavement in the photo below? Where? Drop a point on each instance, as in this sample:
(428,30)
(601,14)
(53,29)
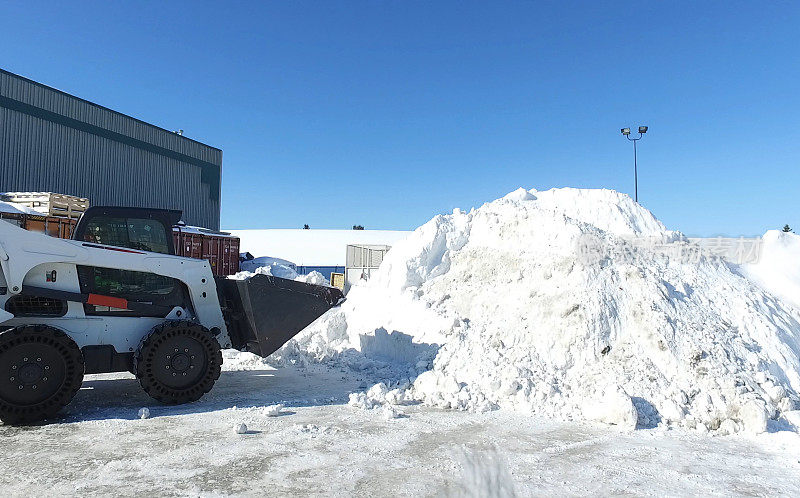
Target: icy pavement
(319,445)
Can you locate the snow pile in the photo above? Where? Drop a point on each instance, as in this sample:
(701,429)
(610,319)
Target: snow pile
(14,208)
(241,361)
(281,265)
(315,278)
(379,395)
(278,268)
(777,269)
(499,308)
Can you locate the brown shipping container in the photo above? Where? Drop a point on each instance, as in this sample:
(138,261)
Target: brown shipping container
(55,226)
(221,250)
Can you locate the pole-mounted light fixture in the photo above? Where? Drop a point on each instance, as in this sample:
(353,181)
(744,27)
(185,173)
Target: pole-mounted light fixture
(627,133)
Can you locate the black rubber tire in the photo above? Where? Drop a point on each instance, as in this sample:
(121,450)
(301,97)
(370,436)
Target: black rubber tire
(41,369)
(178,362)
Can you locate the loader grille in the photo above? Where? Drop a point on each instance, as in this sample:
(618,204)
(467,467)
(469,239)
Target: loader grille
(36,306)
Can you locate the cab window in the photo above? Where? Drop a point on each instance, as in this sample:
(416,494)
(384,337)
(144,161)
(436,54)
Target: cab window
(133,285)
(136,286)
(133,233)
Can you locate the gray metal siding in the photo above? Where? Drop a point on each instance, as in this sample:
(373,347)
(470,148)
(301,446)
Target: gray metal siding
(67,105)
(41,155)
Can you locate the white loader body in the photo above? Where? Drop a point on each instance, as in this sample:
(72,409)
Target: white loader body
(28,259)
(116,299)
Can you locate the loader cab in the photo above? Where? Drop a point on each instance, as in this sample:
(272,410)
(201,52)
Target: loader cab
(136,229)
(141,229)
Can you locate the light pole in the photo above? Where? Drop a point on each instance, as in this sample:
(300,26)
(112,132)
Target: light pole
(627,133)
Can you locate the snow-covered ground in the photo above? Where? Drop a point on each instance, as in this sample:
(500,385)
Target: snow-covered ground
(547,343)
(319,445)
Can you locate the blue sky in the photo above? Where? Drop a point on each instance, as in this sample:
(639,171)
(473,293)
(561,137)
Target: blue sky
(384,113)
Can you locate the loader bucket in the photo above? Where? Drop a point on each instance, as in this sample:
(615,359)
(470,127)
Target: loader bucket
(263,312)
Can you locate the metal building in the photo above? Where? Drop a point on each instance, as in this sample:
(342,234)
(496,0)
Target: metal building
(362,261)
(56,142)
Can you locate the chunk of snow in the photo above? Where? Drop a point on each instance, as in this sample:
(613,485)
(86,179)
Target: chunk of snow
(240,428)
(611,406)
(728,426)
(374,397)
(754,417)
(144,412)
(273,410)
(671,411)
(390,412)
(793,417)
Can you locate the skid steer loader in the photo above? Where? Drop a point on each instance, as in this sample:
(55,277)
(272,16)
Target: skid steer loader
(115,299)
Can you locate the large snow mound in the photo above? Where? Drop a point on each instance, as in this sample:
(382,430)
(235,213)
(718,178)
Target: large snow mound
(499,308)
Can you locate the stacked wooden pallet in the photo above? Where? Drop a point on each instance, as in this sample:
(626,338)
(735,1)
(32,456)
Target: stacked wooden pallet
(49,203)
